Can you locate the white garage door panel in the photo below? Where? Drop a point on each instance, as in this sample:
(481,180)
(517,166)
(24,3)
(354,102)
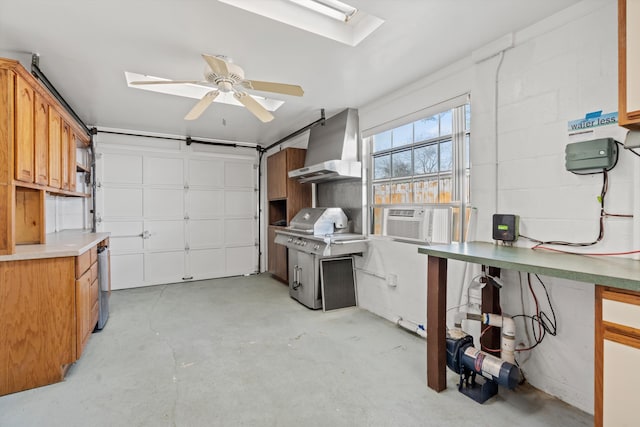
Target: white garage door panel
(208,173)
(121,202)
(205,233)
(238,232)
(121,169)
(127,271)
(125,235)
(206,203)
(239,174)
(163,171)
(207,263)
(239,203)
(240,260)
(164,267)
(163,203)
(165,235)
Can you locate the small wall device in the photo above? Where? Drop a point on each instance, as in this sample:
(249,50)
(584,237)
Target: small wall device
(505,227)
(591,156)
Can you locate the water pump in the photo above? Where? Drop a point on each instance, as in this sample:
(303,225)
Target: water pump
(467,361)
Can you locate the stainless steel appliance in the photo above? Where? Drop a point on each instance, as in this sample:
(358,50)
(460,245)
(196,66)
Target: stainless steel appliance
(317,234)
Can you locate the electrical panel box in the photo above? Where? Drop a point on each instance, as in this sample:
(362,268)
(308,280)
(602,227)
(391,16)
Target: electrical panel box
(505,227)
(591,156)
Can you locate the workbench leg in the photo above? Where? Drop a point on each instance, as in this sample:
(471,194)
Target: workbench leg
(436,323)
(491,304)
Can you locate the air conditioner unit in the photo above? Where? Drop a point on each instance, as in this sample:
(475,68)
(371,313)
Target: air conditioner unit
(420,223)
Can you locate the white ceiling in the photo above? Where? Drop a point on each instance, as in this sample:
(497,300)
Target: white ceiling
(86,45)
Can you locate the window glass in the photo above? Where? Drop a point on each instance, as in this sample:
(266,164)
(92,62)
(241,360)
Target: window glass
(426,159)
(382,141)
(425,191)
(446,156)
(427,128)
(446,123)
(445,190)
(467,117)
(401,162)
(403,135)
(401,193)
(382,167)
(381,194)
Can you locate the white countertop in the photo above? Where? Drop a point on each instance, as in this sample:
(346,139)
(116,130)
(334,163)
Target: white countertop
(62,244)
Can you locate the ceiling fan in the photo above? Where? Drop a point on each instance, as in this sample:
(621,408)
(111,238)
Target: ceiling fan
(225,76)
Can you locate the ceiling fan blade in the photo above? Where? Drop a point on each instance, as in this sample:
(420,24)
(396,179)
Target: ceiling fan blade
(218,65)
(253,106)
(166,82)
(202,105)
(286,89)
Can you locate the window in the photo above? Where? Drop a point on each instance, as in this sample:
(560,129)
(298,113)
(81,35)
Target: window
(424,163)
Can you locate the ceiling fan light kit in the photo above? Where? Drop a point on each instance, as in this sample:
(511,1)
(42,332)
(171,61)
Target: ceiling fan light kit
(226,77)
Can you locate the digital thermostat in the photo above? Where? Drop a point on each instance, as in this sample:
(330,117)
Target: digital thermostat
(505,227)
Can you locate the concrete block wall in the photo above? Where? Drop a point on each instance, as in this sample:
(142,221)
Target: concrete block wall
(558,70)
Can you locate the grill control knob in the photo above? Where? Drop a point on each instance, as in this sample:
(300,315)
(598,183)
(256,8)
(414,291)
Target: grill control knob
(316,246)
(290,239)
(304,243)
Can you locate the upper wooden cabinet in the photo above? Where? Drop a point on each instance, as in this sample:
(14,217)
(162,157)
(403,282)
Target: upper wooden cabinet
(24,131)
(55,149)
(65,143)
(41,143)
(629,63)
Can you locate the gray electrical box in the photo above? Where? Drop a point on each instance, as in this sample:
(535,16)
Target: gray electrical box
(591,156)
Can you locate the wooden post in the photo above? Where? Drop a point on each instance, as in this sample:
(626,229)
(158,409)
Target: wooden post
(491,304)
(436,323)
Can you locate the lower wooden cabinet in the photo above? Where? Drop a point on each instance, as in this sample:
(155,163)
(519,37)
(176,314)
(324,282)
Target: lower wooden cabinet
(277,256)
(37,322)
(617,354)
(86,297)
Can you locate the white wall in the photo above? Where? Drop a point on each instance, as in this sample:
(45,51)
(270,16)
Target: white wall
(558,70)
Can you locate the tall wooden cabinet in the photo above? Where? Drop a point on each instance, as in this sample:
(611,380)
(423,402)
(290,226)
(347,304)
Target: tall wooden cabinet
(285,198)
(617,352)
(629,63)
(38,141)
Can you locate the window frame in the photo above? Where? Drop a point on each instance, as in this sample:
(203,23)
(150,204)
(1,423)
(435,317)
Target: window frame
(459,175)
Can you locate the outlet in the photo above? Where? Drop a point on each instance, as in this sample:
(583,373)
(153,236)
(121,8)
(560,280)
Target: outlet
(392,280)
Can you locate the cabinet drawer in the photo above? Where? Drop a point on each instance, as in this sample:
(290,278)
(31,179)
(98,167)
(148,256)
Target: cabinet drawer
(94,272)
(84,261)
(623,310)
(84,281)
(93,293)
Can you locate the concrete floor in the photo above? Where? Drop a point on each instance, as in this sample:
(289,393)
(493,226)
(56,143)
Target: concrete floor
(240,352)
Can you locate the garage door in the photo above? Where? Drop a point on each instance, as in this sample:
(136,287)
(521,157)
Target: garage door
(176,214)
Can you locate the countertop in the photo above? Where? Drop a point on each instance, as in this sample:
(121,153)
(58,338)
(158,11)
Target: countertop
(62,244)
(617,272)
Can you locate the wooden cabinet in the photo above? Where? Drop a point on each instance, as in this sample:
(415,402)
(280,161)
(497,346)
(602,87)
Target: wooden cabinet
(617,354)
(37,322)
(24,131)
(285,198)
(629,63)
(55,149)
(277,263)
(86,297)
(41,140)
(37,154)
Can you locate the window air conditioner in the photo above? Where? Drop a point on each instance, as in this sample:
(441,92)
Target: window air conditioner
(420,223)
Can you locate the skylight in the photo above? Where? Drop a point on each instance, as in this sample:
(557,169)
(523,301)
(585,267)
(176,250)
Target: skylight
(332,19)
(195,91)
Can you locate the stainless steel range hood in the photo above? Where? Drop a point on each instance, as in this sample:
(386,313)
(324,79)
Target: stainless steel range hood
(333,150)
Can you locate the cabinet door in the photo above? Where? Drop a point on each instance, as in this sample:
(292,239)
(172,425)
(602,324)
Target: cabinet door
(41,140)
(277,175)
(64,155)
(629,63)
(83,311)
(55,144)
(72,161)
(24,130)
(277,256)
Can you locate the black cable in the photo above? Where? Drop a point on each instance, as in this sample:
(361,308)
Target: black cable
(540,319)
(627,148)
(603,193)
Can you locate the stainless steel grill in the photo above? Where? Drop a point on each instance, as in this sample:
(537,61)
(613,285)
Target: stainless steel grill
(316,234)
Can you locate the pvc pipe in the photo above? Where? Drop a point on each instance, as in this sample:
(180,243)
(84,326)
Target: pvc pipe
(508,338)
(411,326)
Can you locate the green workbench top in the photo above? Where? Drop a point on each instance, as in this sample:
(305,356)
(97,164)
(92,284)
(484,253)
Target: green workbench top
(623,273)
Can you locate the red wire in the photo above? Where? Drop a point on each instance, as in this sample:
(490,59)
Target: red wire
(539,246)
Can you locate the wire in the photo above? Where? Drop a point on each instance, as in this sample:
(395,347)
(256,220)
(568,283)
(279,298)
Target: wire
(636,251)
(627,148)
(545,324)
(603,193)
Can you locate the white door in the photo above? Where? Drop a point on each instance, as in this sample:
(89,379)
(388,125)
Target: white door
(176,215)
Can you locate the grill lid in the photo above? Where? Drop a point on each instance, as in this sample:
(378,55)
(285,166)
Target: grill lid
(320,221)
